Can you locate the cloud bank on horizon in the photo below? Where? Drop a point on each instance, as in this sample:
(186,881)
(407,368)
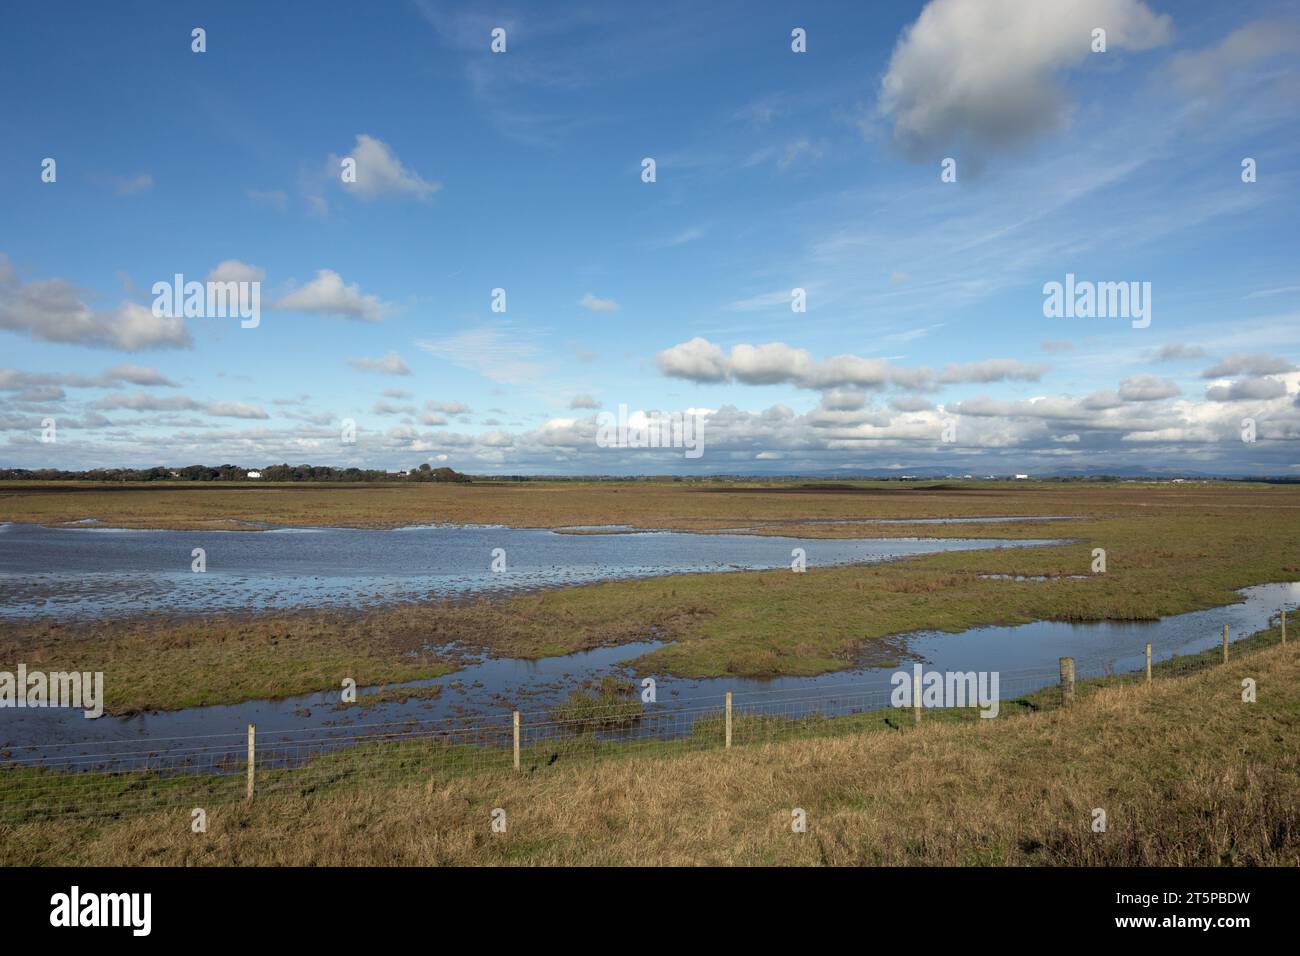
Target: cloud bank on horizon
(829,237)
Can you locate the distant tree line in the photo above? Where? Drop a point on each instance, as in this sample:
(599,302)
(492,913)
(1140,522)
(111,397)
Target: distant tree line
(284,472)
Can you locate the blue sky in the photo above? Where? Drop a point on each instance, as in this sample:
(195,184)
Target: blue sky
(775,170)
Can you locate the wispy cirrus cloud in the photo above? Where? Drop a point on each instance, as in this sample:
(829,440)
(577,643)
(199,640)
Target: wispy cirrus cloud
(497,352)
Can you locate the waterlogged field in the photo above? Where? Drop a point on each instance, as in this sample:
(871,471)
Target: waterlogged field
(1187,774)
(1168,550)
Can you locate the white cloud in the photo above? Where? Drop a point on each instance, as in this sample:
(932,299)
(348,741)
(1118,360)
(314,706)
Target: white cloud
(448,408)
(52,310)
(845,399)
(13,379)
(976,78)
(327,295)
(993,370)
(141,402)
(235,410)
(698,360)
(390,364)
(1146,388)
(1248,363)
(498,352)
(1174,351)
(596,304)
(380,173)
(1257,389)
(773,363)
(1208,72)
(232,270)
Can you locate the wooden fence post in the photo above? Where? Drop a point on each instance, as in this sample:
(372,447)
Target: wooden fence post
(1283,625)
(1067,681)
(916,698)
(728,720)
(1148,662)
(252,761)
(516,739)
(1225,643)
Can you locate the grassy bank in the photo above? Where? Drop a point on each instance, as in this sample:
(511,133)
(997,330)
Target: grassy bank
(1187,773)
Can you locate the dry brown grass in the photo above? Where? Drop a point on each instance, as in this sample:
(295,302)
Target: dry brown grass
(1187,773)
(784,509)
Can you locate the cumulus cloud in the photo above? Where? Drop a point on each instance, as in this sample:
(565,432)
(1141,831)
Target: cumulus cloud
(583,401)
(232,270)
(448,408)
(380,173)
(1248,363)
(1174,351)
(993,370)
(11,378)
(985,77)
(328,295)
(235,410)
(142,402)
(52,310)
(697,360)
(1048,434)
(844,399)
(774,363)
(390,364)
(1257,389)
(910,403)
(1146,388)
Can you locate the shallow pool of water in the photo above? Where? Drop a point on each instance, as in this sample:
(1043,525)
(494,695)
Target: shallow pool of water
(483,694)
(96,571)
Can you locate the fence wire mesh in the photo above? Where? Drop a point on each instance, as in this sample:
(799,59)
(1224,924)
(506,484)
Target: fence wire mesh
(117,778)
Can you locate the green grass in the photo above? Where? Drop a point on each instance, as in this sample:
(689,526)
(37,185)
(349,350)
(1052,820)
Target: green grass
(1170,549)
(592,721)
(1188,774)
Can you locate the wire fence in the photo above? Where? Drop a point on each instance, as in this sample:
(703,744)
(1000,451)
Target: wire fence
(118,778)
